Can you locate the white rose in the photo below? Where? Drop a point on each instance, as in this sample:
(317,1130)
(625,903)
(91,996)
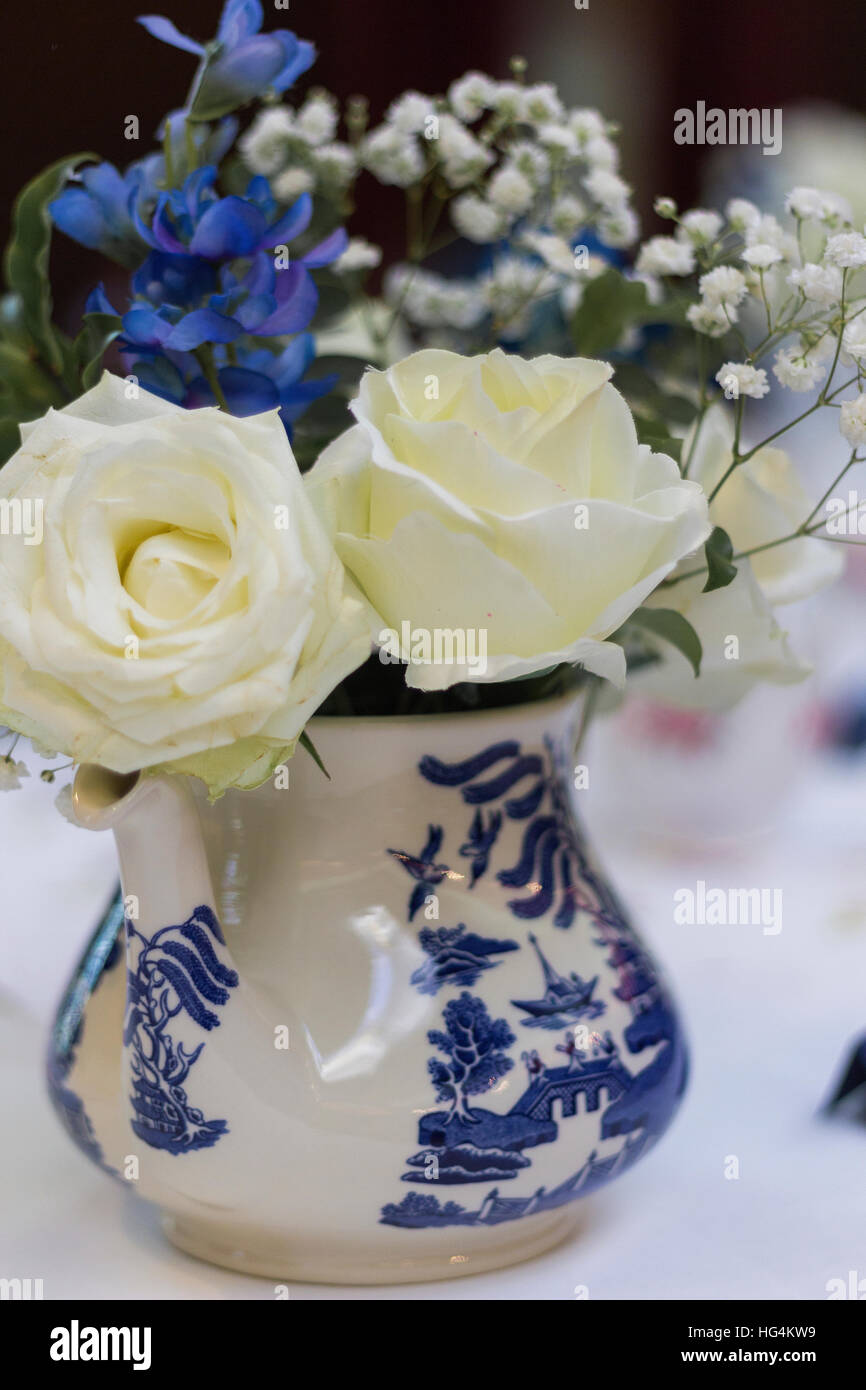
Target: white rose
(761,501)
(185,606)
(510,497)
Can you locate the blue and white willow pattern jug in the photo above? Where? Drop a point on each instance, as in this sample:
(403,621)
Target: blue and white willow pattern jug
(383,1028)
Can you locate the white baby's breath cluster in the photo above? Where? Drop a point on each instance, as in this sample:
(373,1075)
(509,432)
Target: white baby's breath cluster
(793,297)
(506,163)
(507,153)
(297,149)
(516,169)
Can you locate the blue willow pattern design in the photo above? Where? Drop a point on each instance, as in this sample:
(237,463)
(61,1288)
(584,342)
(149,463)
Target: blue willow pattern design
(470,1143)
(176,972)
(551,862)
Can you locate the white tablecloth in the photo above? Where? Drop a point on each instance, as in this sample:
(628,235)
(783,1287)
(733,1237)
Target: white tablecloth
(769,1019)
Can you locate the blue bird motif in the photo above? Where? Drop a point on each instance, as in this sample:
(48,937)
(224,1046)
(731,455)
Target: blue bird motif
(481,840)
(423,868)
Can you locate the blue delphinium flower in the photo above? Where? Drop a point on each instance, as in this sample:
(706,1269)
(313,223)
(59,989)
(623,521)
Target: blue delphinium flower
(241,63)
(208,282)
(190,291)
(214,314)
(194,220)
(95,211)
(101,208)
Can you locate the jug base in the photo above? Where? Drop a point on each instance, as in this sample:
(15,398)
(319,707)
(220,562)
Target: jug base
(269,1255)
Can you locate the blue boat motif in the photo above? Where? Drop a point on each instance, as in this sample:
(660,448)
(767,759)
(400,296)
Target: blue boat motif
(565,998)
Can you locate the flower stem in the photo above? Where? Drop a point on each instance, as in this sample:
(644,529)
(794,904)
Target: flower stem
(204,356)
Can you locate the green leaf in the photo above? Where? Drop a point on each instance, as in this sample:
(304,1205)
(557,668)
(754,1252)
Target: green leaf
(10,439)
(98,330)
(654,433)
(307,743)
(643,393)
(334,302)
(719,552)
(609,306)
(26,259)
(12,328)
(611,303)
(672,627)
(27,390)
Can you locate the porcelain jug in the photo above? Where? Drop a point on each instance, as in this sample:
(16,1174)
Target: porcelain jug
(385,1027)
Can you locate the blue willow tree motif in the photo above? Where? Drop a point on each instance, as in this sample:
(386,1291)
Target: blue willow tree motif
(474,1044)
(551,862)
(176,972)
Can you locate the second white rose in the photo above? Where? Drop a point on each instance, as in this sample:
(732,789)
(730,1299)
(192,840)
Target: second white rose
(507,497)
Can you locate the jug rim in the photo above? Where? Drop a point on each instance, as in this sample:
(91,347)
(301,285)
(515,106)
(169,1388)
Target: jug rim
(571,698)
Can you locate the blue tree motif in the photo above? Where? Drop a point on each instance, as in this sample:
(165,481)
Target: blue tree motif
(176,971)
(423,868)
(423,1209)
(475,1046)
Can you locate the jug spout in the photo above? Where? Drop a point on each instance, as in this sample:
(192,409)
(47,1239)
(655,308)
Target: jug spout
(180,976)
(163,865)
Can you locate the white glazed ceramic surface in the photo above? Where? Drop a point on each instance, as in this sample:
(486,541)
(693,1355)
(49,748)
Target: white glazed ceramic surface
(279,1096)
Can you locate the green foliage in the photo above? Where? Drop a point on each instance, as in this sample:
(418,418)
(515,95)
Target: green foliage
(719,552)
(98,330)
(40,367)
(25,262)
(610,305)
(652,431)
(671,627)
